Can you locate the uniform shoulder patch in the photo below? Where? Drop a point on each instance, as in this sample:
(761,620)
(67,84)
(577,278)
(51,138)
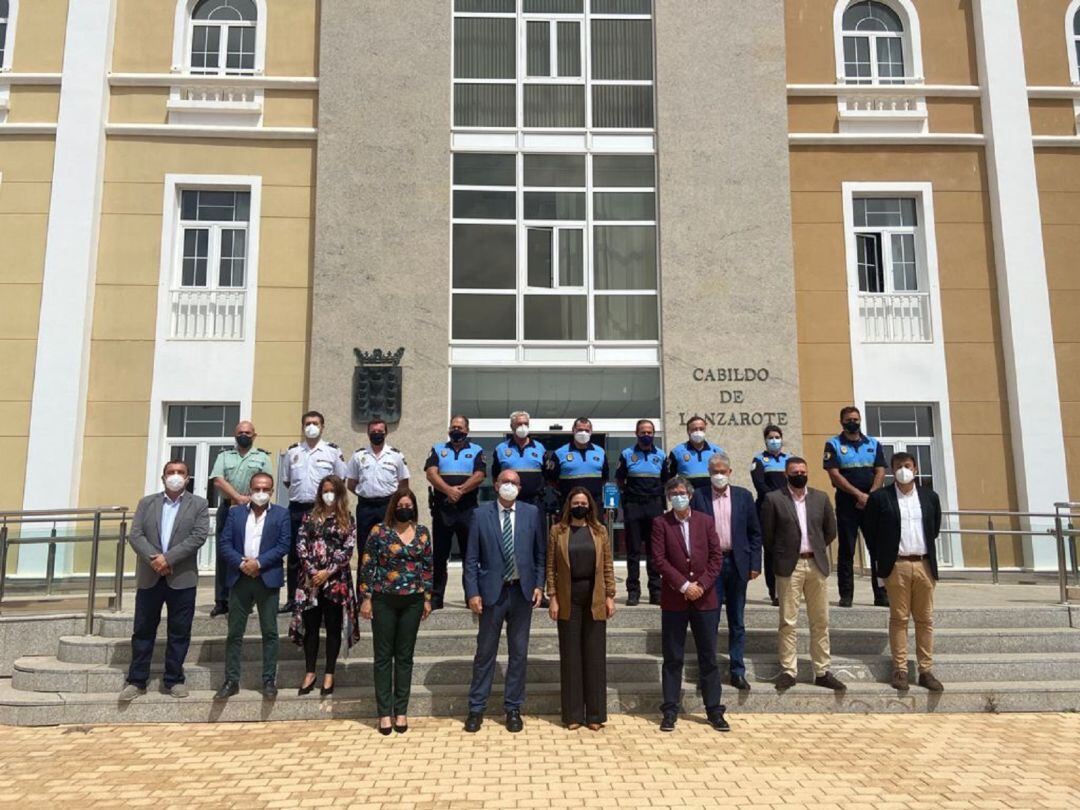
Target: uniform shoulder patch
(394,449)
(264,452)
(331,444)
(291,446)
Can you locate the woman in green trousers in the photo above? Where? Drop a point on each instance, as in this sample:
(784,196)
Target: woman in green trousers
(395,585)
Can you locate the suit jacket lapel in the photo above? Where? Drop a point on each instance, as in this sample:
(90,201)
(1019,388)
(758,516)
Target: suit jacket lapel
(158,505)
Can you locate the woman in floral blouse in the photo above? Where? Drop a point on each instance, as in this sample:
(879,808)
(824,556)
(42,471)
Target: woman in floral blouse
(324,546)
(395,584)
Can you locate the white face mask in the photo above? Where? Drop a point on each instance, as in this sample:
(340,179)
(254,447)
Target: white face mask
(582,437)
(697,437)
(508,492)
(328,498)
(312,431)
(904,476)
(260,498)
(680,503)
(720,481)
(522,431)
(175,482)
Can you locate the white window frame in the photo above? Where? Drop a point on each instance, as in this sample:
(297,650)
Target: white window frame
(9,36)
(1072,40)
(912,43)
(552,21)
(886,234)
(182,35)
(215,228)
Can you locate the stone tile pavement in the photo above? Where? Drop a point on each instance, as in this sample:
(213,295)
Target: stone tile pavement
(831,762)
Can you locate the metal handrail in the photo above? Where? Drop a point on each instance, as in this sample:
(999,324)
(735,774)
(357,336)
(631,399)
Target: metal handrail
(100,515)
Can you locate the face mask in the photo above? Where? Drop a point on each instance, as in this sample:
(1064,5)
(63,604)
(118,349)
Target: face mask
(329,497)
(244,442)
(852,426)
(774,445)
(458,435)
(680,502)
(175,482)
(522,431)
(797,481)
(508,492)
(579,512)
(312,431)
(582,437)
(260,498)
(904,476)
(404,514)
(645,441)
(720,481)
(377,438)
(698,437)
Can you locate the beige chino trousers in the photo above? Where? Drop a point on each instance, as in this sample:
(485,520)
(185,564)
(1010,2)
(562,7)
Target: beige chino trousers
(805,581)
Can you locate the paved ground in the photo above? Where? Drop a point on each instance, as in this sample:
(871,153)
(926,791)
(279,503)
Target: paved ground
(821,762)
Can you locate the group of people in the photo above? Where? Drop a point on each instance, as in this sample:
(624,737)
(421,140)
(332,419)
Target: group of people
(540,542)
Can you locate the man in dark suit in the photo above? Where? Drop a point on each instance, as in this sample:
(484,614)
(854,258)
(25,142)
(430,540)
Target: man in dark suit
(167,532)
(686,552)
(735,518)
(798,524)
(902,523)
(504,575)
(256,539)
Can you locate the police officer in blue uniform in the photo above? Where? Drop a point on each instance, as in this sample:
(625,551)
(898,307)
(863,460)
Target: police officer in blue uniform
(523,455)
(455,469)
(768,473)
(856,466)
(579,463)
(638,474)
(691,458)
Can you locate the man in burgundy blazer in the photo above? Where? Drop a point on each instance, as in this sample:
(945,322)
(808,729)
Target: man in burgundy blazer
(686,552)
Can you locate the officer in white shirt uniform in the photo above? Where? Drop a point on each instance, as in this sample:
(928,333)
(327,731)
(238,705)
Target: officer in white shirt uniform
(302,468)
(374,473)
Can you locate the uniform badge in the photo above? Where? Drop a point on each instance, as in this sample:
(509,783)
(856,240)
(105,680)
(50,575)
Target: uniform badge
(468,455)
(569,457)
(686,457)
(633,459)
(596,458)
(843,449)
(443,454)
(509,452)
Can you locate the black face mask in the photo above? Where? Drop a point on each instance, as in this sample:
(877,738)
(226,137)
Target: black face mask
(377,438)
(579,512)
(458,435)
(645,441)
(797,481)
(404,515)
(852,427)
(244,442)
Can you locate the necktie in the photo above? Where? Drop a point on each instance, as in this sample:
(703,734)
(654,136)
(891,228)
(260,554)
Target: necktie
(510,565)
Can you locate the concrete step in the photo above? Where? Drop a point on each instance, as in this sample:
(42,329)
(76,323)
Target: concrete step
(49,674)
(648,616)
(620,640)
(44,709)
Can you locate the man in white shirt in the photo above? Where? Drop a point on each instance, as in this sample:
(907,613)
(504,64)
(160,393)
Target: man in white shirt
(902,526)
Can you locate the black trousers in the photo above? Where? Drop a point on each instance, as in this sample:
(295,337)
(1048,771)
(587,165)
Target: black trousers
(368,513)
(703,624)
(148,604)
(221,590)
(848,525)
(328,613)
(443,532)
(637,520)
(292,571)
(583,659)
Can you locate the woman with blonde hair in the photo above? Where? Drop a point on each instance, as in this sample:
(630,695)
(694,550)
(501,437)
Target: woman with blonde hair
(581,587)
(324,593)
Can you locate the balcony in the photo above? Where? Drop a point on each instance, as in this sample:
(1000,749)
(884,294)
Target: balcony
(212,100)
(207,314)
(883,109)
(895,317)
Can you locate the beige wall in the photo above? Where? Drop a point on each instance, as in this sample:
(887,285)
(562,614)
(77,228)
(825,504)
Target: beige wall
(33,104)
(39,36)
(1052,116)
(147,105)
(968,300)
(1046,56)
(25,185)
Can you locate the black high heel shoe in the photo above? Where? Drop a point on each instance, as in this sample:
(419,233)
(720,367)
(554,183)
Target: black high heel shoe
(326,690)
(402,728)
(385,731)
(306,690)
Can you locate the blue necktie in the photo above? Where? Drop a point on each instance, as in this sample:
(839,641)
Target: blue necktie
(509,563)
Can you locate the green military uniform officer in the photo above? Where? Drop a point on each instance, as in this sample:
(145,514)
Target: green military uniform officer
(231,476)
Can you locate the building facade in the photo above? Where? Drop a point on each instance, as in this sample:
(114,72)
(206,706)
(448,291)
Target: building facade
(755,212)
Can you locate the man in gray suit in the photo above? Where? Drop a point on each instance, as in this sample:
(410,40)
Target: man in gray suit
(797,525)
(167,531)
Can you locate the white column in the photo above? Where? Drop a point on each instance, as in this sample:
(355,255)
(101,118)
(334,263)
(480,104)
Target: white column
(1024,298)
(58,407)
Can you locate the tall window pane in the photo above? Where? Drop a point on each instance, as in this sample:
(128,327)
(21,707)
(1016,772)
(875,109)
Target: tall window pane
(624,257)
(569,49)
(540,256)
(485,257)
(622,49)
(870,265)
(571,257)
(484,48)
(627,317)
(537,48)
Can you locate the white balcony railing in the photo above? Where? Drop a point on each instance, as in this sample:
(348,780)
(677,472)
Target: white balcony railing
(870,102)
(220,94)
(895,317)
(208,314)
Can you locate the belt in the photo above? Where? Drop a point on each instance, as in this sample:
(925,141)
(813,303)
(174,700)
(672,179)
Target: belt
(807,556)
(374,501)
(510,583)
(912,557)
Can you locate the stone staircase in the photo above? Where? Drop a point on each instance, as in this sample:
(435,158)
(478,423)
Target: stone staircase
(990,659)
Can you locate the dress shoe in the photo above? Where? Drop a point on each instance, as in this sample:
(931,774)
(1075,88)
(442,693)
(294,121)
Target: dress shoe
(633,600)
(220,609)
(928,681)
(830,681)
(473,722)
(775,601)
(845,602)
(718,722)
(514,723)
(130,692)
(668,722)
(288,607)
(740,683)
(306,690)
(178,690)
(326,691)
(227,690)
(900,681)
(654,599)
(594,726)
(402,728)
(386,731)
(269,689)
(881,601)
(785,681)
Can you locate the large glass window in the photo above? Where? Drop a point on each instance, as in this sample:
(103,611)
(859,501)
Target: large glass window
(4,12)
(873,44)
(223,37)
(197,434)
(906,428)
